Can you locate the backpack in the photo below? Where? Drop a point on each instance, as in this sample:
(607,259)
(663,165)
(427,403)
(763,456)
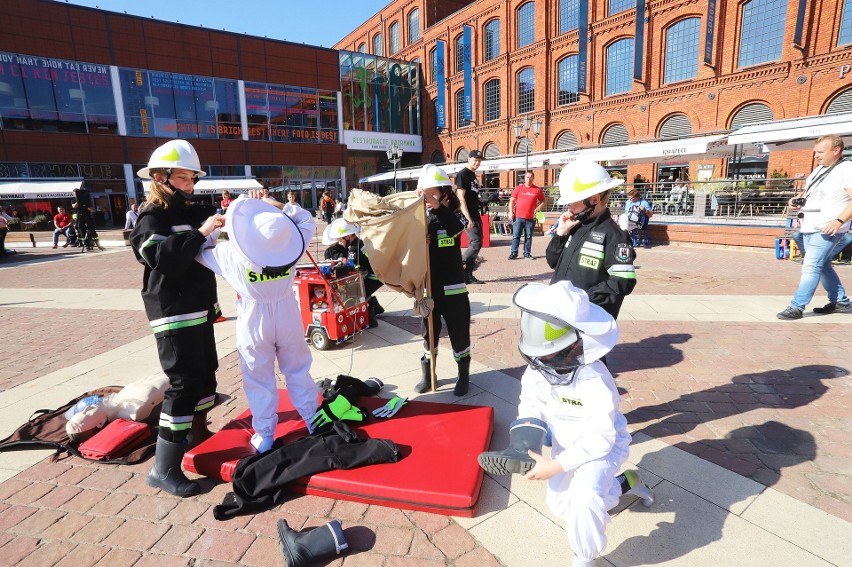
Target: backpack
(46,430)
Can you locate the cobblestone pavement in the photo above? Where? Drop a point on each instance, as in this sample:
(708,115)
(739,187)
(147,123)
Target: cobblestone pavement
(768,401)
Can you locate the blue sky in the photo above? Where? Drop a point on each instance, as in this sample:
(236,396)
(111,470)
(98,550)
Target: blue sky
(317,22)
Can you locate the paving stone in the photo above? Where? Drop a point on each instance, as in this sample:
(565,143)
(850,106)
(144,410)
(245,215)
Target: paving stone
(105,479)
(35,524)
(112,503)
(177,540)
(83,554)
(135,534)
(57,497)
(12,515)
(393,541)
(29,492)
(149,508)
(47,553)
(221,545)
(383,515)
(262,552)
(453,541)
(98,529)
(67,526)
(151,560)
(186,511)
(14,551)
(429,523)
(478,557)
(119,558)
(43,471)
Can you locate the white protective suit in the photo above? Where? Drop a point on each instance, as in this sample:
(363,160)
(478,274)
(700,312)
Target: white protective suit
(269,327)
(590,441)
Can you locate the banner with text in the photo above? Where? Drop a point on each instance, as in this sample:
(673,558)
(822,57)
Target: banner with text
(441,103)
(582,44)
(468,75)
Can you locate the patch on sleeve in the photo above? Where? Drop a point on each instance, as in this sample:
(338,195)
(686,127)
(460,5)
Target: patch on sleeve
(624,252)
(597,237)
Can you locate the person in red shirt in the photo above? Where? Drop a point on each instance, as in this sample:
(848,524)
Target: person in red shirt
(527,199)
(226,200)
(62,223)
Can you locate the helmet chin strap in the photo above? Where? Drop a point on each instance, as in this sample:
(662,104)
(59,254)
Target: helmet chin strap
(584,214)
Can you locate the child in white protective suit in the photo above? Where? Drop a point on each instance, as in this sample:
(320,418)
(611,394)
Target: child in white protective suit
(263,244)
(567,391)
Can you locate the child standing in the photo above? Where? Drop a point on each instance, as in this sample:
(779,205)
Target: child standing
(568,390)
(447,277)
(263,245)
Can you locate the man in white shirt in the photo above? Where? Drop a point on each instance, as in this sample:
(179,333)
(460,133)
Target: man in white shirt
(131,216)
(825,206)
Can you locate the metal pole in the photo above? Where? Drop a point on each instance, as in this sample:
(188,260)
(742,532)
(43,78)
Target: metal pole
(527,156)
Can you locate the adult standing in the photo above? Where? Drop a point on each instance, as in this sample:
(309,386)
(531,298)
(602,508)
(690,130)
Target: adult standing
(825,206)
(467,190)
(180,300)
(527,200)
(4,229)
(327,207)
(62,224)
(131,217)
(588,248)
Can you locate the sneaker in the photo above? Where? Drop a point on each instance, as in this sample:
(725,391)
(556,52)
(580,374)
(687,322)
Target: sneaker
(54,246)
(471,279)
(513,256)
(833,307)
(64,245)
(790,313)
(529,258)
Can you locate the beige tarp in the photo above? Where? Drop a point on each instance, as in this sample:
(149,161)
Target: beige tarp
(393,229)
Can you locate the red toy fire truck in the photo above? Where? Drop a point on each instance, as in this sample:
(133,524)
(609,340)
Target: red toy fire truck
(317,290)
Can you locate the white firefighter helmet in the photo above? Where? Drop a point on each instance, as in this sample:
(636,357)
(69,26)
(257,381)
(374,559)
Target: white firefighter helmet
(582,179)
(175,154)
(433,176)
(561,329)
(338,229)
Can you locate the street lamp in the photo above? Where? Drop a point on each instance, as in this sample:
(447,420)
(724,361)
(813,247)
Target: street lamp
(394,154)
(525,126)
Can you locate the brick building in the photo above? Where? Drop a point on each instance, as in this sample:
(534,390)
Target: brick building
(696,67)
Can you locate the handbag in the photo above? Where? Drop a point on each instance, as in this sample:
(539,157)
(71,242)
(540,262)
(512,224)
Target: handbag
(633,215)
(118,438)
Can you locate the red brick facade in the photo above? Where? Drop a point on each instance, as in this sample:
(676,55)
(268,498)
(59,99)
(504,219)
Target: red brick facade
(801,83)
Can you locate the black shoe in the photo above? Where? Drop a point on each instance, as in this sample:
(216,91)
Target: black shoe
(833,308)
(513,256)
(471,279)
(790,313)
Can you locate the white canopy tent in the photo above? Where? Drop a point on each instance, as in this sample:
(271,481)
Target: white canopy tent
(39,189)
(794,134)
(207,186)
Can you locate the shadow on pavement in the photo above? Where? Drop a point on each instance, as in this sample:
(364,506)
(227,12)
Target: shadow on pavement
(651,352)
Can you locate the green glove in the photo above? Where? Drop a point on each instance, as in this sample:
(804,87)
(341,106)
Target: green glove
(354,414)
(330,411)
(390,408)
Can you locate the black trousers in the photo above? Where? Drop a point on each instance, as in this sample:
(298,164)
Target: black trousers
(3,232)
(188,357)
(455,311)
(474,244)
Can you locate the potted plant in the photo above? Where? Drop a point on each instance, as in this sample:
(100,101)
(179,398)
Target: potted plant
(778,179)
(14,223)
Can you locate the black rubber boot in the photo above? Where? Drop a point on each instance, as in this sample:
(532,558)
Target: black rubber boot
(371,317)
(524,434)
(464,377)
(199,432)
(469,278)
(166,473)
(300,549)
(374,303)
(425,383)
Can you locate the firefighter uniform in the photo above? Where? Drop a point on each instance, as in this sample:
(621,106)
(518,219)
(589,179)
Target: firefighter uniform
(597,257)
(180,301)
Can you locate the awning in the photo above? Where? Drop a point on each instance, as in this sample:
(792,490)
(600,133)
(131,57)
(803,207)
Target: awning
(793,134)
(39,189)
(411,173)
(205,186)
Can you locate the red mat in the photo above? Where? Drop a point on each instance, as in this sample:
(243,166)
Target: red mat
(438,471)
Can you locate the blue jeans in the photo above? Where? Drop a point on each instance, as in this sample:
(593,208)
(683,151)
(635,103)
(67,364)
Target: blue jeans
(816,268)
(58,231)
(525,226)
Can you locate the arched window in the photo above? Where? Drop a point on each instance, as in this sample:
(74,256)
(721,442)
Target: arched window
(523,145)
(492,40)
(433,65)
(615,134)
(394,37)
(762,33)
(618,6)
(491,151)
(462,154)
(568,81)
(526,90)
(619,67)
(437,157)
(526,24)
(682,41)
(413,25)
(568,10)
(377,44)
(460,119)
(458,48)
(566,141)
(840,104)
(752,114)
(675,126)
(492,100)
(362,48)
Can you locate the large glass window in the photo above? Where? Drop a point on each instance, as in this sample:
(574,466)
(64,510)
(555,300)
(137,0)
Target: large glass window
(433,65)
(682,41)
(377,44)
(618,6)
(526,24)
(413,25)
(460,120)
(394,37)
(526,90)
(362,48)
(458,49)
(619,67)
(762,33)
(568,81)
(39,93)
(845,35)
(492,39)
(568,10)
(492,100)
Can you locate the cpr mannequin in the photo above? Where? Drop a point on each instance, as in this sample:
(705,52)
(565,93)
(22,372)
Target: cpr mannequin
(134,402)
